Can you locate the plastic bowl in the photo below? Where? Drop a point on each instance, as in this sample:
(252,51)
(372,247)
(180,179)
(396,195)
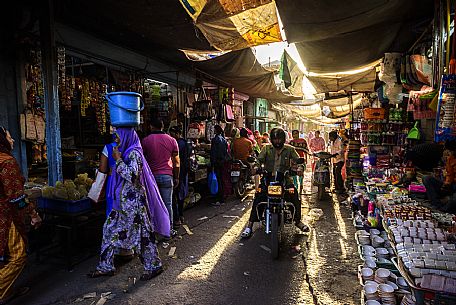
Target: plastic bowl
(367,272)
(374,232)
(370,289)
(401,282)
(395,287)
(372,302)
(385,288)
(383,273)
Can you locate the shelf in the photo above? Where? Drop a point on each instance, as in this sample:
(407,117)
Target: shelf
(384,144)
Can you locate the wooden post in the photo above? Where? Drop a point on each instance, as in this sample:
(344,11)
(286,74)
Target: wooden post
(51,95)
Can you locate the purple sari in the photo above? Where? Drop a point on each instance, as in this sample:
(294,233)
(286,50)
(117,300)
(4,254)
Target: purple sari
(158,213)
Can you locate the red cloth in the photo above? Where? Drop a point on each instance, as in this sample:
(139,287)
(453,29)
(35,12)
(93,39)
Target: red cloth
(299,143)
(11,187)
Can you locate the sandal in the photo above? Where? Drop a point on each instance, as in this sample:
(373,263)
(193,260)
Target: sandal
(302,227)
(97,273)
(151,274)
(246,233)
(19,292)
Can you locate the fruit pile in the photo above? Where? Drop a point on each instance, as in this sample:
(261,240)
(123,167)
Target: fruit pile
(69,189)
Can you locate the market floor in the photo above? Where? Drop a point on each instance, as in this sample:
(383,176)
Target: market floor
(213,266)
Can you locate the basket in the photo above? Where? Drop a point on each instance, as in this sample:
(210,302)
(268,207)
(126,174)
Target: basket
(374,113)
(65,206)
(422,294)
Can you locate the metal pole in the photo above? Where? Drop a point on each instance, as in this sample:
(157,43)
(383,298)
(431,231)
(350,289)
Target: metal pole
(51,94)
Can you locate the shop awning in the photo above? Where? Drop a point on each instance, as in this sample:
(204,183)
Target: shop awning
(241,70)
(361,82)
(335,36)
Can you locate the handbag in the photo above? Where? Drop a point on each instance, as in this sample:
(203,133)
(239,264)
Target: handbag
(97,192)
(213,183)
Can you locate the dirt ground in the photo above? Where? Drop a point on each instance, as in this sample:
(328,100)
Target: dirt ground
(214,266)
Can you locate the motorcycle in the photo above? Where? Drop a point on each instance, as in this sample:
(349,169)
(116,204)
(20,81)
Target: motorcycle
(321,174)
(274,213)
(240,177)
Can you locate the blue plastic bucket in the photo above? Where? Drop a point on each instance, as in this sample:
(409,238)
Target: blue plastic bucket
(124,108)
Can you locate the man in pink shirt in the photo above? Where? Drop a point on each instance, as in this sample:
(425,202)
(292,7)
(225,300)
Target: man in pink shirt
(162,154)
(316,144)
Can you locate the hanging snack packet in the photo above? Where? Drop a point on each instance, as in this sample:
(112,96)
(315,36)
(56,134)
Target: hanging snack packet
(446,118)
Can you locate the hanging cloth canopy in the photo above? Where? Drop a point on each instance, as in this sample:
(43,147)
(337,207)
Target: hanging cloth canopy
(235,24)
(335,36)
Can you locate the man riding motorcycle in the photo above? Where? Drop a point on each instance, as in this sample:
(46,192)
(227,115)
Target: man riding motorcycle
(276,157)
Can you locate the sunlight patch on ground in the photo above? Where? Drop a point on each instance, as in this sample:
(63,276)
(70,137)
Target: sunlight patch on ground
(340,220)
(343,248)
(210,259)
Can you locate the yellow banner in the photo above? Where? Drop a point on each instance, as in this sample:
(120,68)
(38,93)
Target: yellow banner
(235,24)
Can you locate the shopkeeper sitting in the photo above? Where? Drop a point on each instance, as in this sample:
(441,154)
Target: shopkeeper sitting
(442,193)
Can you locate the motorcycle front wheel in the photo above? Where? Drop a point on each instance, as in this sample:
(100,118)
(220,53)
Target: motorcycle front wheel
(275,235)
(239,189)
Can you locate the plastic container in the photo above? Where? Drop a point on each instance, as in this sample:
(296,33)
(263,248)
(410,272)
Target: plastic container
(374,113)
(65,206)
(124,108)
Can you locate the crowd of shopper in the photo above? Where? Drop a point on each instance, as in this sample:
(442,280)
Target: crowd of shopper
(147,182)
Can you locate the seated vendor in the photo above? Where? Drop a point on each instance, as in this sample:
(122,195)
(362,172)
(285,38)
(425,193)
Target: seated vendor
(441,193)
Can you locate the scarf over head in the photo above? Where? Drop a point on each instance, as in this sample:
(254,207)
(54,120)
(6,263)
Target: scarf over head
(5,146)
(158,213)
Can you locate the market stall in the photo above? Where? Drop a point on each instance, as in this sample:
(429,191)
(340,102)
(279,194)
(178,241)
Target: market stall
(407,246)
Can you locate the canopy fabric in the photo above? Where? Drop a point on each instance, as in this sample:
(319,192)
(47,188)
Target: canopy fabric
(335,36)
(313,111)
(235,24)
(340,101)
(291,75)
(341,111)
(241,70)
(360,82)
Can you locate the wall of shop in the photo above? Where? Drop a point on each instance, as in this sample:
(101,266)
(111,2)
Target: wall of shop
(261,110)
(106,53)
(9,116)
(427,130)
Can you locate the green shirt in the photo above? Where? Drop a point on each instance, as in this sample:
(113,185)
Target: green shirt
(275,160)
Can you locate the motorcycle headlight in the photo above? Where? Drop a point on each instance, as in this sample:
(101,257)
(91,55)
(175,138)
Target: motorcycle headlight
(274,190)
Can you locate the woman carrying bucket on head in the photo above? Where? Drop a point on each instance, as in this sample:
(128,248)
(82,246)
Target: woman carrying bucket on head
(137,209)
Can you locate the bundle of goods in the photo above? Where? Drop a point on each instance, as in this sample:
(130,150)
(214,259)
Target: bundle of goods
(354,167)
(429,259)
(381,286)
(374,248)
(445,126)
(69,189)
(383,161)
(417,232)
(375,172)
(398,213)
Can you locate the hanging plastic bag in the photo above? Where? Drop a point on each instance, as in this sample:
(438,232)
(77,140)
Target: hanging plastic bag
(97,192)
(213,183)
